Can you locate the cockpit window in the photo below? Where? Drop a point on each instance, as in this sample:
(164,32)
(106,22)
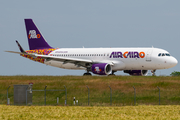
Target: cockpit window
(167,54)
(164,54)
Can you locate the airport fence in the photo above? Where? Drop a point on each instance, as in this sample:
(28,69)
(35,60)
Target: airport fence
(104,97)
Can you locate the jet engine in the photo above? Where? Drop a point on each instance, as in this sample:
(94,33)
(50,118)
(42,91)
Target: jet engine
(137,72)
(101,69)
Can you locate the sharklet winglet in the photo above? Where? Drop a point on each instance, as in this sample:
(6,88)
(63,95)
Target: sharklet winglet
(20,48)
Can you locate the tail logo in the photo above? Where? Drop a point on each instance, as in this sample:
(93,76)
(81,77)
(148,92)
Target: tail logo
(32,34)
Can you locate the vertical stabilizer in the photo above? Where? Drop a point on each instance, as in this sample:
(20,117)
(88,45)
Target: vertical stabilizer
(35,38)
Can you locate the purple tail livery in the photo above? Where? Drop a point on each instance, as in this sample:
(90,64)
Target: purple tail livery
(35,38)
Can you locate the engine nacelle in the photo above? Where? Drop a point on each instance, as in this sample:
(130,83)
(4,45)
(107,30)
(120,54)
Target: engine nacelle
(137,72)
(101,69)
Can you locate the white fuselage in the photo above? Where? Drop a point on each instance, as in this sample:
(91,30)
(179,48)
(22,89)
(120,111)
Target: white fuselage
(116,57)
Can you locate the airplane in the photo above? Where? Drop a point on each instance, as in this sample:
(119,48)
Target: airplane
(100,61)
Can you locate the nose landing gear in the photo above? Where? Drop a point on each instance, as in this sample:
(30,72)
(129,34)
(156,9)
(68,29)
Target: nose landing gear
(153,72)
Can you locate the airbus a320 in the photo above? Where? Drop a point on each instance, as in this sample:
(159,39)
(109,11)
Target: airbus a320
(100,61)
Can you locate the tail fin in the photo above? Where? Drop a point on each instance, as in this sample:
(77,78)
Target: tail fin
(35,38)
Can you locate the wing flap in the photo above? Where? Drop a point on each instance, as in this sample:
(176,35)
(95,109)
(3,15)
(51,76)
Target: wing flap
(63,59)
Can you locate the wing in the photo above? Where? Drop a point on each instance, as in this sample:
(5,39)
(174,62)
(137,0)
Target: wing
(22,52)
(76,61)
(14,52)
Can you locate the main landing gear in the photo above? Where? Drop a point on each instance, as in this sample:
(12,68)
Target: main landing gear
(87,74)
(153,72)
(88,68)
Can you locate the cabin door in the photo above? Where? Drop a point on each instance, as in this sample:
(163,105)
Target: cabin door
(148,56)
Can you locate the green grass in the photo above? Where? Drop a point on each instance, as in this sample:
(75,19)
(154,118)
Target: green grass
(147,92)
(96,112)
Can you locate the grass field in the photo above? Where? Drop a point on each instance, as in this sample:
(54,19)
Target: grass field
(77,112)
(122,89)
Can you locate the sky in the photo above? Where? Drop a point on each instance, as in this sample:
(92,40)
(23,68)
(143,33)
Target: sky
(92,24)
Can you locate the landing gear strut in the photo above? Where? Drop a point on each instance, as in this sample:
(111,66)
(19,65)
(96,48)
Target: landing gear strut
(153,72)
(87,73)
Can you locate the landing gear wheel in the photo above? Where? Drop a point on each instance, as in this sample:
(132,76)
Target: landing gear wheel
(111,75)
(87,74)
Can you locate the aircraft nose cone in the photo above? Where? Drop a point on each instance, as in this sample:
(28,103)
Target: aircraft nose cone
(173,62)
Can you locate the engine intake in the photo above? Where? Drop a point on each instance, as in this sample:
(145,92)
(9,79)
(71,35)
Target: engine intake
(137,72)
(101,69)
